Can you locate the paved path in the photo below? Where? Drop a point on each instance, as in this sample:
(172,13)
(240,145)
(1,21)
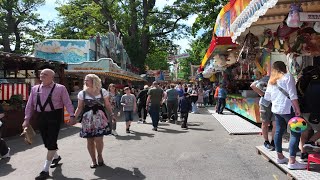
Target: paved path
(204,152)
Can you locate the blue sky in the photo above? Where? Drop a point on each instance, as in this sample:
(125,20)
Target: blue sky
(48,12)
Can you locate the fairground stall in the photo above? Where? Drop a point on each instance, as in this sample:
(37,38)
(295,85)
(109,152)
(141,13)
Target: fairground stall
(267,31)
(17,75)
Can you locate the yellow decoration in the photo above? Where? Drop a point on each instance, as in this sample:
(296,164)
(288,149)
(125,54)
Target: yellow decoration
(213,78)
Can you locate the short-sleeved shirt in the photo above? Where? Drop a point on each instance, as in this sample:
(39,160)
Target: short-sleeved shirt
(180,92)
(172,94)
(156,95)
(128,100)
(262,84)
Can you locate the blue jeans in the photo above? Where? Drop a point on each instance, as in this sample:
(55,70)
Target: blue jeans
(154,111)
(281,127)
(221,105)
(194,107)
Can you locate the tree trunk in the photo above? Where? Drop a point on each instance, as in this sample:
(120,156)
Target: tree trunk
(6,42)
(17,48)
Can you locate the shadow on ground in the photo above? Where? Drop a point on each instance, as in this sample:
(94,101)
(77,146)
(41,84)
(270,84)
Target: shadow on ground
(57,174)
(5,167)
(172,131)
(200,129)
(17,143)
(134,136)
(118,173)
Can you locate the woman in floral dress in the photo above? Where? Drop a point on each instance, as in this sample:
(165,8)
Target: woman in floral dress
(92,101)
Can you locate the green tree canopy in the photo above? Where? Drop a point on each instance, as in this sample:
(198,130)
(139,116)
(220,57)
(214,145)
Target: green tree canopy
(20,26)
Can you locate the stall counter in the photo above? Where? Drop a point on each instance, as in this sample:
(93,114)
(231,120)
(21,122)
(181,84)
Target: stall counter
(244,106)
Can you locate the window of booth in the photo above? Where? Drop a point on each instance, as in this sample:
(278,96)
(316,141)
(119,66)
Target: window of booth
(21,74)
(1,73)
(10,74)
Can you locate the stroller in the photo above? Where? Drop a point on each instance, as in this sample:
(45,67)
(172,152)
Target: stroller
(163,115)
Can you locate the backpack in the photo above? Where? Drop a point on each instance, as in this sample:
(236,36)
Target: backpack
(308,88)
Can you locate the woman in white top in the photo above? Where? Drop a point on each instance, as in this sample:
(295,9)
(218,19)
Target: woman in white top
(281,91)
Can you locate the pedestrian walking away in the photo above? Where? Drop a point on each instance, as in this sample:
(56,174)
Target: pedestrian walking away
(112,97)
(92,101)
(155,98)
(222,95)
(185,107)
(141,102)
(172,96)
(128,101)
(46,102)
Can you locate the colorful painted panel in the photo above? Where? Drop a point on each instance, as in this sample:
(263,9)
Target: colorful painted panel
(249,15)
(228,15)
(246,107)
(69,51)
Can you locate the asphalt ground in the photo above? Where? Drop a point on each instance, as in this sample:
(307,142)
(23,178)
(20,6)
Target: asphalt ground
(203,152)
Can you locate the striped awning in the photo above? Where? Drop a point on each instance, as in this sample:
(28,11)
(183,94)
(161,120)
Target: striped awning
(218,45)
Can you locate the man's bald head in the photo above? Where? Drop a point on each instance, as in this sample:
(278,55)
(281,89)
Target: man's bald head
(47,76)
(49,71)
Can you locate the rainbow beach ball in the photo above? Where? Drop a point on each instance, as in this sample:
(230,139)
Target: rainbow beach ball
(297,124)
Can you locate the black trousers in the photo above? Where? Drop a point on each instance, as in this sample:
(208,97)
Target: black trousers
(221,104)
(184,118)
(172,109)
(49,126)
(3,147)
(142,107)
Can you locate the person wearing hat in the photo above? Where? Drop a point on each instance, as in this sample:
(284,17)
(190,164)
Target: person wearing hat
(155,98)
(142,101)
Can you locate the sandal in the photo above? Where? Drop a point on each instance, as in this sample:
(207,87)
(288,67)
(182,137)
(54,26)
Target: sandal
(92,166)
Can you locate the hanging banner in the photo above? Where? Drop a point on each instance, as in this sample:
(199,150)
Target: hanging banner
(228,15)
(249,15)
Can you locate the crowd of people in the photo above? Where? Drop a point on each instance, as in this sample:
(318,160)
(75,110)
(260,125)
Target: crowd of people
(98,110)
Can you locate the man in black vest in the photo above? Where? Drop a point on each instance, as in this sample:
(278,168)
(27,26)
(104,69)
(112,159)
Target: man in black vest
(47,101)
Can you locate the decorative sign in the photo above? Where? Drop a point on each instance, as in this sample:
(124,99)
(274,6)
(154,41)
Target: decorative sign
(309,17)
(178,56)
(87,68)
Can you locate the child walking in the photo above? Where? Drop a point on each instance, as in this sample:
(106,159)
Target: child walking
(222,95)
(128,101)
(185,107)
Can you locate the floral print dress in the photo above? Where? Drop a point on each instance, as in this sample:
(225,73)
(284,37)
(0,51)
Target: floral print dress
(94,120)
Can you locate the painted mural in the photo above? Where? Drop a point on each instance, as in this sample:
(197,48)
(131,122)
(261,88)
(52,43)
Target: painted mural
(77,51)
(246,107)
(69,51)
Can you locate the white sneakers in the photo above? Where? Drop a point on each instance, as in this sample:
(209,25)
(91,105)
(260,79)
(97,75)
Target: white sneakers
(297,166)
(294,166)
(114,132)
(282,161)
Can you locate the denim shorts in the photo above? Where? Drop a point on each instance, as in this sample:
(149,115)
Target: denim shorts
(265,113)
(128,115)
